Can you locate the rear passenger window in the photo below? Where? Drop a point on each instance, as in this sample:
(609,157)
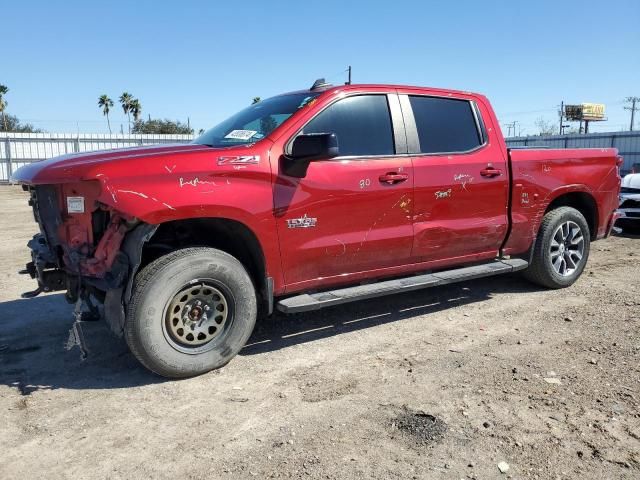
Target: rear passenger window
(445,125)
(361,123)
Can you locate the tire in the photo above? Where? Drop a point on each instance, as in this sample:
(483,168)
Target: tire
(191,311)
(546,254)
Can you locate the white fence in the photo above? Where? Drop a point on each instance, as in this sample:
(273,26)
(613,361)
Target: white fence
(18,149)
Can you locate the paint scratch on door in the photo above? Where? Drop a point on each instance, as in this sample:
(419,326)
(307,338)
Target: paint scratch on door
(440,194)
(463,179)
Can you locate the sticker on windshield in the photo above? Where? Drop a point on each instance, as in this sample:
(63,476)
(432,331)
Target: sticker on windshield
(240,134)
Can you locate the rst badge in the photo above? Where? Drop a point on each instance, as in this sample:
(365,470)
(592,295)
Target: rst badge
(302,222)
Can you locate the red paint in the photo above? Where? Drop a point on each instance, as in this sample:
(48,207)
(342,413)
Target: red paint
(397,222)
(472,218)
(107,249)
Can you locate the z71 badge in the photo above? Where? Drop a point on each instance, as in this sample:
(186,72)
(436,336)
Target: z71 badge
(302,222)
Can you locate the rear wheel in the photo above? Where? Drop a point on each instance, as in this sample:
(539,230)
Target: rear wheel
(561,249)
(191,311)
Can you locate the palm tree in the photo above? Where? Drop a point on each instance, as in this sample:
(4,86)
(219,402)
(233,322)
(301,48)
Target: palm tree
(105,103)
(3,104)
(255,100)
(125,101)
(136,109)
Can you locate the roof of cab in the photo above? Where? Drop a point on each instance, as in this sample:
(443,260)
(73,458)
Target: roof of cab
(364,86)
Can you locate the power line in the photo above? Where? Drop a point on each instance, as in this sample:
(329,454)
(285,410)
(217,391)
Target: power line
(633,108)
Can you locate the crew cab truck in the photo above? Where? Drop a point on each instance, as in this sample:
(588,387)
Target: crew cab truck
(305,200)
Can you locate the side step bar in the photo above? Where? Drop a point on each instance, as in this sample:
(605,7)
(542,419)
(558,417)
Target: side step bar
(316,301)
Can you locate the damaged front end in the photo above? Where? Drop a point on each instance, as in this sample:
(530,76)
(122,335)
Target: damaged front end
(84,247)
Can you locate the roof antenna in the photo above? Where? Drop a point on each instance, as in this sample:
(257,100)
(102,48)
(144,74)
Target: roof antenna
(348,82)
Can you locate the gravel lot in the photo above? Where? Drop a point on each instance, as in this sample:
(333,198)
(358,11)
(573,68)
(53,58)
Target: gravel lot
(445,383)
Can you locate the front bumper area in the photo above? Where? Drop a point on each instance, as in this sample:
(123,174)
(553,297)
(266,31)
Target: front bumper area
(43,268)
(79,247)
(628,212)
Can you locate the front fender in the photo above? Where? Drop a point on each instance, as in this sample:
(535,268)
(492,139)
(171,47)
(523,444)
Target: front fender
(244,196)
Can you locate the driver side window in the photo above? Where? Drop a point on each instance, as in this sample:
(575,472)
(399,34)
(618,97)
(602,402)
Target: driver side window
(362,124)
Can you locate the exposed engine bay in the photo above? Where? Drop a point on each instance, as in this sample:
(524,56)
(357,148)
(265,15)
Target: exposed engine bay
(84,247)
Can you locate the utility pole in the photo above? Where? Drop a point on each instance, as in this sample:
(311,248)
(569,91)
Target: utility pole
(510,126)
(633,108)
(349,75)
(561,114)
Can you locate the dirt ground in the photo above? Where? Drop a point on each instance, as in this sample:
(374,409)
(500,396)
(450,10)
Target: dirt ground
(443,383)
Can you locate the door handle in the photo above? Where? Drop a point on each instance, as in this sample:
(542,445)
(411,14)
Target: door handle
(392,178)
(490,172)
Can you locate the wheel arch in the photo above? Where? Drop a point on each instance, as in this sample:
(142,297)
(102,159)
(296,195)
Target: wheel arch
(225,234)
(581,200)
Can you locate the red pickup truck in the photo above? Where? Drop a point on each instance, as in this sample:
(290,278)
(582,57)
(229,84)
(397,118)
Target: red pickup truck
(305,200)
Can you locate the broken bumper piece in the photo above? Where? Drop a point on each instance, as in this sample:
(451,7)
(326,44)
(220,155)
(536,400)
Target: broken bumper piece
(43,268)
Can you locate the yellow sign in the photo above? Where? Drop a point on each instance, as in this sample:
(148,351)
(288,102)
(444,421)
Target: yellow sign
(593,111)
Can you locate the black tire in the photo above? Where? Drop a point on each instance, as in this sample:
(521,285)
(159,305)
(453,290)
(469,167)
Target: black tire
(541,270)
(148,329)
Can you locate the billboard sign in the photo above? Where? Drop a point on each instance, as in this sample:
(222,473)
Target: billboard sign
(585,111)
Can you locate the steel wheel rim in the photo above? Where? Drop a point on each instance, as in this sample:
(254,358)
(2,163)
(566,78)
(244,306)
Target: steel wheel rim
(566,250)
(196,315)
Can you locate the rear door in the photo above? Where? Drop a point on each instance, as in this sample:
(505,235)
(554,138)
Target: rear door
(461,179)
(352,213)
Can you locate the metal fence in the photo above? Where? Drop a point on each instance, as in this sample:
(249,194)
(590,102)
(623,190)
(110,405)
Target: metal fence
(627,143)
(18,149)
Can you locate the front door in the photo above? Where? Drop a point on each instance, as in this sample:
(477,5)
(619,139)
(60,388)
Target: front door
(352,213)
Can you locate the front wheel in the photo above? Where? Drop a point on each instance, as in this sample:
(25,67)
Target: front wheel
(191,311)
(561,249)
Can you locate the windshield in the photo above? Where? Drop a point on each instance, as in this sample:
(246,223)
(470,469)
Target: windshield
(255,122)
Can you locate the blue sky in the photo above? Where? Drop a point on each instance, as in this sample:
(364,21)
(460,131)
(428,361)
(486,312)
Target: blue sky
(206,59)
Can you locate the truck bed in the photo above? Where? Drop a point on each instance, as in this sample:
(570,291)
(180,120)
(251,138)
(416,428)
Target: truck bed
(539,175)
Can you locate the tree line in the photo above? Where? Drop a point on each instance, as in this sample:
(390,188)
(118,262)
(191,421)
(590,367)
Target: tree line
(132,106)
(11,123)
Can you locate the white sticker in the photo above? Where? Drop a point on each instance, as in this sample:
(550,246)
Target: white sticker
(75,204)
(240,134)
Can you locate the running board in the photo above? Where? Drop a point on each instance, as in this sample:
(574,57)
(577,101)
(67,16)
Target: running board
(316,301)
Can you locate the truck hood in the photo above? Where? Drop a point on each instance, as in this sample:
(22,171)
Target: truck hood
(85,166)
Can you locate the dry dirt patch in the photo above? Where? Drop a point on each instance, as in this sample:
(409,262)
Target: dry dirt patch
(314,395)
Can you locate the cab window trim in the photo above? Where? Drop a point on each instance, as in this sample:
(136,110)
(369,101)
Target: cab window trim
(413,139)
(397,128)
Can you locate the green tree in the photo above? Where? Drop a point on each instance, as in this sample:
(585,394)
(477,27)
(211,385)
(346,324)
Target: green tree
(165,126)
(11,123)
(3,105)
(105,103)
(255,100)
(136,109)
(125,100)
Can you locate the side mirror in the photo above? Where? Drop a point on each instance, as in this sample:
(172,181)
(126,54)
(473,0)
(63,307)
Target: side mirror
(305,149)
